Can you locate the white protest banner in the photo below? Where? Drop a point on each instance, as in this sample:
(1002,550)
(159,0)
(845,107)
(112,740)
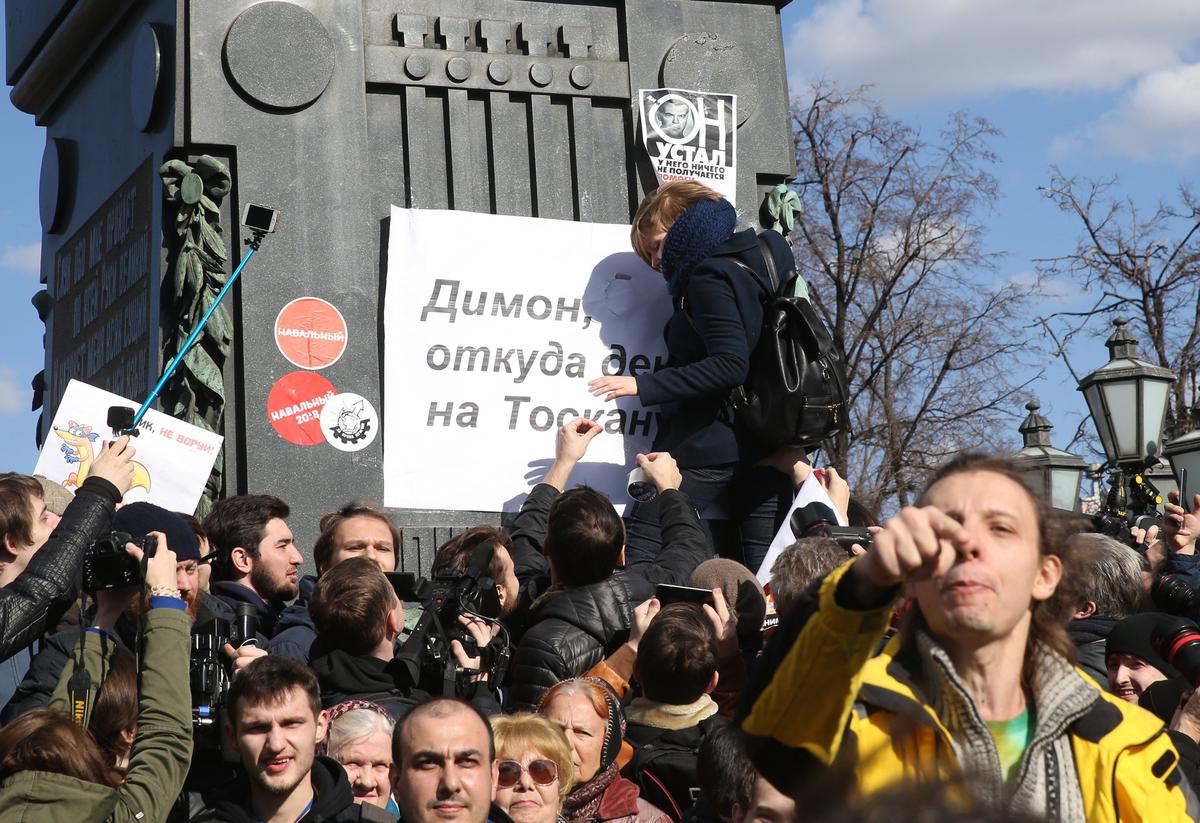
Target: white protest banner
(173,458)
(493,327)
(692,135)
(811,491)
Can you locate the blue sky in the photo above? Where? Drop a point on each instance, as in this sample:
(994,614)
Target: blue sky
(1099,87)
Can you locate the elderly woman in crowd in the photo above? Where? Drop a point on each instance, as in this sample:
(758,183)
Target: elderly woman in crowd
(535,771)
(587,711)
(359,736)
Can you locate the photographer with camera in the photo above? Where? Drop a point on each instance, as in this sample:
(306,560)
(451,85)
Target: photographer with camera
(50,768)
(358,618)
(37,597)
(587,613)
(118,600)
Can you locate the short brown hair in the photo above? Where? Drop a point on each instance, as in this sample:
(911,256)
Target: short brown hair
(323,548)
(239,521)
(268,681)
(46,740)
(16,514)
(661,208)
(517,733)
(584,536)
(455,553)
(350,603)
(799,565)
(677,655)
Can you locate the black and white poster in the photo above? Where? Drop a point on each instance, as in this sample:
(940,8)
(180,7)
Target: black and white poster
(692,135)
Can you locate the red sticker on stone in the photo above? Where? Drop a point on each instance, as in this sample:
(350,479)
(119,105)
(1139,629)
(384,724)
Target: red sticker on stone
(311,333)
(294,407)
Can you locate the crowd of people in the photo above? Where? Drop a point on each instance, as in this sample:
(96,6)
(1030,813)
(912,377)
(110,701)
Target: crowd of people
(978,657)
(940,656)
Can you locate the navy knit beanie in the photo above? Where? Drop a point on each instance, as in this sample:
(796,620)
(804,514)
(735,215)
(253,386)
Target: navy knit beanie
(692,238)
(139,519)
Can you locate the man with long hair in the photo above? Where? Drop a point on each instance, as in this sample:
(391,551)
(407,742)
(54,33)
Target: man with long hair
(978,692)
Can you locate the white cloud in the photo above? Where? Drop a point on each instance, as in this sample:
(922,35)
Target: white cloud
(1157,119)
(1048,291)
(27,259)
(12,397)
(913,50)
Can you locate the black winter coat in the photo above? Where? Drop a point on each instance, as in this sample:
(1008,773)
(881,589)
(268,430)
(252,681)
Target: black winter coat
(35,601)
(709,341)
(1090,636)
(571,629)
(334,801)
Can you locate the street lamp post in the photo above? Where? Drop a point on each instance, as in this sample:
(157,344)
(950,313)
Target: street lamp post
(1127,399)
(1052,473)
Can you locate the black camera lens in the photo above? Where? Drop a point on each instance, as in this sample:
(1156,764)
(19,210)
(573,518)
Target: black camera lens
(1174,596)
(1179,645)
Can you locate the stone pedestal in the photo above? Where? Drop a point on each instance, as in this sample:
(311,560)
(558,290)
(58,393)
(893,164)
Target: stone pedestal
(331,112)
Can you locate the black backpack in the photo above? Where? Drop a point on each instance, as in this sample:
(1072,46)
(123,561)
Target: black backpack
(664,764)
(797,392)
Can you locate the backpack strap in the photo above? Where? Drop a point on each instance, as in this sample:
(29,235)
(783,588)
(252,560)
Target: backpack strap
(769,259)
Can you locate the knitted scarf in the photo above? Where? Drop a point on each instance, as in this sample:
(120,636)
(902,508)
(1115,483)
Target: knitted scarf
(693,237)
(583,803)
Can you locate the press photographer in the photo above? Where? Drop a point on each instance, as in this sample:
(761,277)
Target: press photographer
(358,618)
(38,596)
(51,768)
(108,576)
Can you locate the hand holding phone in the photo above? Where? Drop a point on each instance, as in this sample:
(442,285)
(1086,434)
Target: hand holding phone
(668,594)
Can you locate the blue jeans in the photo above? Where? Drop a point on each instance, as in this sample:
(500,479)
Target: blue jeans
(758,499)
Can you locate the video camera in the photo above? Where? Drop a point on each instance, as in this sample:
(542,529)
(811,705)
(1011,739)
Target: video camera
(1127,508)
(451,593)
(210,671)
(106,564)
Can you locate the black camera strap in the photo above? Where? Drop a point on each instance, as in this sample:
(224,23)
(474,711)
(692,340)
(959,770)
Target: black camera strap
(80,685)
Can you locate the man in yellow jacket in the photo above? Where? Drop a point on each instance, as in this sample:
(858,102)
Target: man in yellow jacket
(978,694)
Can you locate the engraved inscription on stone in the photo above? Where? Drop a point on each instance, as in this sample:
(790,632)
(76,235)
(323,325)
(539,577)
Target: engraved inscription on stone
(101,289)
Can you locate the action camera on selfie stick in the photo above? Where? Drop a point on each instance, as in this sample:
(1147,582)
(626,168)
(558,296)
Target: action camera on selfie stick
(261,222)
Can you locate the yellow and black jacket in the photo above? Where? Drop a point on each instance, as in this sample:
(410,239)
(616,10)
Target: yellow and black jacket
(822,695)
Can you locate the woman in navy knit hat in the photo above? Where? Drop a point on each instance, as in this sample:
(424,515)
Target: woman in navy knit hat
(687,231)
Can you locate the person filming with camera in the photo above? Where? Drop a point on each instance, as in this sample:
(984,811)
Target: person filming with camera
(32,602)
(51,766)
(978,692)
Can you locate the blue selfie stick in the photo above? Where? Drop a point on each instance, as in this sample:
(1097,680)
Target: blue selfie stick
(255,242)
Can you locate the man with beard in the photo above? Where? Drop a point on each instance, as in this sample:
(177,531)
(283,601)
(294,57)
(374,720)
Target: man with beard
(254,557)
(275,722)
(358,529)
(118,611)
(444,765)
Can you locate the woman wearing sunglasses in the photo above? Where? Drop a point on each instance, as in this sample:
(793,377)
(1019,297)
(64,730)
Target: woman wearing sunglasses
(587,712)
(534,769)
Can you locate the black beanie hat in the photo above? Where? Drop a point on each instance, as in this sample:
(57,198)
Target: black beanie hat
(139,519)
(1132,636)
